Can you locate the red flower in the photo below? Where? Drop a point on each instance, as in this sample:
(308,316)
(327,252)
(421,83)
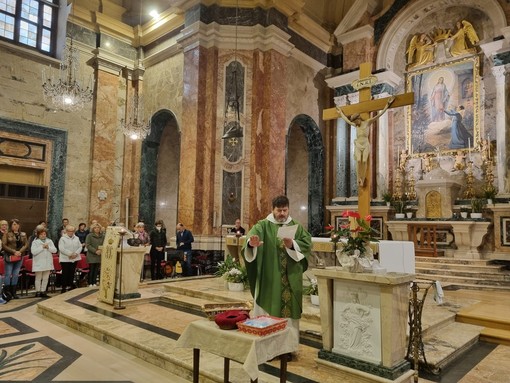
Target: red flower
(352,214)
(329,227)
(368,218)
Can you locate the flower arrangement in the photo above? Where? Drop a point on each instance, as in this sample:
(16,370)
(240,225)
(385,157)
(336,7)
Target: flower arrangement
(225,266)
(355,235)
(237,274)
(311,288)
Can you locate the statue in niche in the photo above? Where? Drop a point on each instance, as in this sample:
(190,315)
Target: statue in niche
(421,50)
(426,162)
(465,32)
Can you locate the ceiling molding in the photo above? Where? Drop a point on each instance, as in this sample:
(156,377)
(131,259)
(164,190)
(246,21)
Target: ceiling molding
(354,15)
(366,31)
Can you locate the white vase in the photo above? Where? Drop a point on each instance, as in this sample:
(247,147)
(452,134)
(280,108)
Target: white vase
(476,215)
(409,214)
(463,214)
(234,286)
(489,201)
(400,215)
(314,299)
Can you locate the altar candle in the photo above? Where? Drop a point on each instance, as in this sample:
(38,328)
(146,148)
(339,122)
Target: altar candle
(489,147)
(469,148)
(398,156)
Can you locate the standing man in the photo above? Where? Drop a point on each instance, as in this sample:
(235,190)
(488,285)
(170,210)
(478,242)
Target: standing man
(184,240)
(275,265)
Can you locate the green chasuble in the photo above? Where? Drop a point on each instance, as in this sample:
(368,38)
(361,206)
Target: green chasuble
(275,278)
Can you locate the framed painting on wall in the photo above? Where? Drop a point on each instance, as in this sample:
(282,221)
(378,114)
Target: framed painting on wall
(446,114)
(505,231)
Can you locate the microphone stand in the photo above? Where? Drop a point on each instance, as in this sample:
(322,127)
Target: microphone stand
(122,232)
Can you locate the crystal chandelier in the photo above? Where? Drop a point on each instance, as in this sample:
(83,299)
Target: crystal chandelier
(65,92)
(135,127)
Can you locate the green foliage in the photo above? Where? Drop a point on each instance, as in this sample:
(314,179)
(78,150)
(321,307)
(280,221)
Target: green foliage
(225,266)
(311,288)
(476,205)
(387,196)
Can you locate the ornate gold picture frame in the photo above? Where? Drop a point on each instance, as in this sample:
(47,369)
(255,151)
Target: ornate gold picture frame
(445,117)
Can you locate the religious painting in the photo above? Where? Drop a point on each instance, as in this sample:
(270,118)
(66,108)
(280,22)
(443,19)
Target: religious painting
(505,231)
(377,225)
(445,117)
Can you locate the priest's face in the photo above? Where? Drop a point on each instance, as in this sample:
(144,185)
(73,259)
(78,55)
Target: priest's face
(281,214)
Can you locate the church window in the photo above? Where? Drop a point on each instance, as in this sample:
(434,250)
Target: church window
(31,23)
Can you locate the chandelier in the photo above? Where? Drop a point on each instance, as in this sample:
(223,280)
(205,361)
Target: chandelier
(232,122)
(134,126)
(65,92)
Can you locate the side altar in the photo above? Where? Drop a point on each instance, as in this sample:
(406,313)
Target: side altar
(364,322)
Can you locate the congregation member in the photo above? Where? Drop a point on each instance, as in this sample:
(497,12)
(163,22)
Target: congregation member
(94,239)
(158,243)
(141,234)
(184,239)
(69,248)
(82,233)
(42,254)
(238,229)
(275,265)
(14,245)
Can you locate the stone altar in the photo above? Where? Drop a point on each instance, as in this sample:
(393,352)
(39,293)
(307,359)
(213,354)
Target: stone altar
(364,322)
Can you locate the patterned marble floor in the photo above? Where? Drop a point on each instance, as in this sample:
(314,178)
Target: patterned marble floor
(35,349)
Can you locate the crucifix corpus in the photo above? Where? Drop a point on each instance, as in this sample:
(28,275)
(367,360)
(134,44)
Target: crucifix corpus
(358,115)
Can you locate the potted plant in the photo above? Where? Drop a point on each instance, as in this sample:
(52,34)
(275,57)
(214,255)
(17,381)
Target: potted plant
(237,278)
(476,208)
(398,205)
(387,197)
(464,211)
(313,290)
(489,193)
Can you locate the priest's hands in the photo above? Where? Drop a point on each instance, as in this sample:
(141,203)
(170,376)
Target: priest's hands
(288,243)
(255,241)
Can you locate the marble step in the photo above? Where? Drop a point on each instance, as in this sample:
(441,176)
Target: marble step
(466,282)
(487,274)
(447,344)
(464,267)
(455,261)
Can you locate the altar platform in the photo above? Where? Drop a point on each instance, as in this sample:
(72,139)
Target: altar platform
(149,328)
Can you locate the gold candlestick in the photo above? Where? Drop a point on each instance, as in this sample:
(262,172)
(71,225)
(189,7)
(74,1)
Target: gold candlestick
(469,192)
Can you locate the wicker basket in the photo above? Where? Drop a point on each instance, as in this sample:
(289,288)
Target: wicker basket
(212,309)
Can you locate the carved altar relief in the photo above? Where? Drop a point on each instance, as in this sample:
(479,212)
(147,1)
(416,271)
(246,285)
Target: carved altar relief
(433,204)
(357,308)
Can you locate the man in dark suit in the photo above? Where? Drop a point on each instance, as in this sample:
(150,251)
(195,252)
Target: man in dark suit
(184,239)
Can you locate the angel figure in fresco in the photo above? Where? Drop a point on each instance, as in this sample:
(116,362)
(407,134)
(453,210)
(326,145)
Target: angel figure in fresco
(361,142)
(465,31)
(421,50)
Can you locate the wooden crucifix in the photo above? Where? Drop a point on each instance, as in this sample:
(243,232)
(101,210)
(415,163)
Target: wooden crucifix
(358,115)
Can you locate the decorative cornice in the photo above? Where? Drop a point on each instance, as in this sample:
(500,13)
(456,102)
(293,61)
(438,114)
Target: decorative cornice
(166,23)
(363,32)
(113,27)
(110,62)
(387,77)
(310,30)
(354,15)
(162,54)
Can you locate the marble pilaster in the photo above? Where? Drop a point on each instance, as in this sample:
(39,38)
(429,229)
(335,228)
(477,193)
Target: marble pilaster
(500,73)
(196,180)
(268,132)
(103,159)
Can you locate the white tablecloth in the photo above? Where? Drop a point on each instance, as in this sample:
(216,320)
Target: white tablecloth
(250,350)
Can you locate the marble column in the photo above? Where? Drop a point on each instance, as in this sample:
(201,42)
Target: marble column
(103,190)
(268,131)
(502,136)
(198,138)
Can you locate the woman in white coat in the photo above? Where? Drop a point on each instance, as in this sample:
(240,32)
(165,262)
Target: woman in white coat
(42,260)
(69,247)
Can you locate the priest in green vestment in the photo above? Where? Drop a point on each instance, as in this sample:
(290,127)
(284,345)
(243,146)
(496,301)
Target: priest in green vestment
(276,254)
